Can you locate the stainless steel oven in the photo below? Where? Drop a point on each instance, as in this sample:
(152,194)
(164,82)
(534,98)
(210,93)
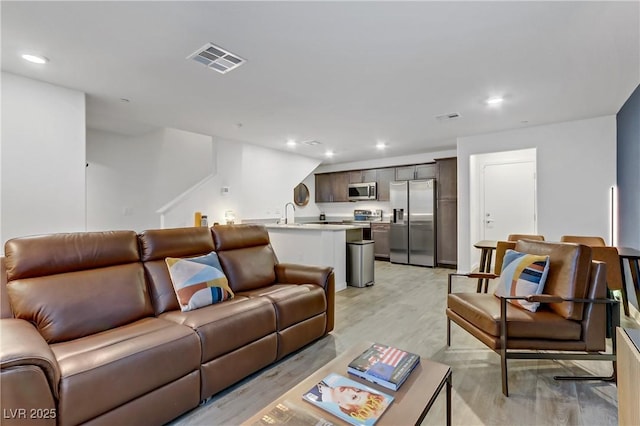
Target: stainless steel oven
(363,191)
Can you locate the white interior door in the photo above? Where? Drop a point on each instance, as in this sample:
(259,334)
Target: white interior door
(509,200)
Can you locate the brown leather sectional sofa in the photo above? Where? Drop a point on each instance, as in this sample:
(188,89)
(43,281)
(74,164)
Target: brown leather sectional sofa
(91,330)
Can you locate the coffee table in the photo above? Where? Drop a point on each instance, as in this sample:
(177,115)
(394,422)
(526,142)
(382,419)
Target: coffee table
(412,401)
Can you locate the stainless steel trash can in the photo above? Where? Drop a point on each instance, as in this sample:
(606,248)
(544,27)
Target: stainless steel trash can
(360,263)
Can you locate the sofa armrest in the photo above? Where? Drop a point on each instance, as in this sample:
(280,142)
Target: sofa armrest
(289,273)
(22,346)
(323,276)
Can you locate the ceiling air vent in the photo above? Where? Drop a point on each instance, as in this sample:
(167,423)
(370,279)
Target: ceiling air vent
(217,58)
(448,117)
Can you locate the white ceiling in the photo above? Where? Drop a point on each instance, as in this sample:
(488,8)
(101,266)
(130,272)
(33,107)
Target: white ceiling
(348,74)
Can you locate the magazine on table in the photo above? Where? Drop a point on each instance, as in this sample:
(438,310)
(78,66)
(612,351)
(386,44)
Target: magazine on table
(288,413)
(349,400)
(385,365)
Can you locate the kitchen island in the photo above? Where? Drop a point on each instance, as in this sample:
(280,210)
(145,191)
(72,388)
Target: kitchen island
(315,244)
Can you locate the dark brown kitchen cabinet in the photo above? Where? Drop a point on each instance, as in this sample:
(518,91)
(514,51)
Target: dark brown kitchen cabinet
(380,237)
(405,173)
(417,171)
(447,178)
(332,187)
(426,171)
(323,188)
(447,228)
(447,212)
(369,175)
(355,176)
(384,177)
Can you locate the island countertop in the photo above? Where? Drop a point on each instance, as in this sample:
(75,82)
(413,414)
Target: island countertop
(310,227)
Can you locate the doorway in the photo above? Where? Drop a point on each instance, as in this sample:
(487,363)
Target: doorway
(508,199)
(503,195)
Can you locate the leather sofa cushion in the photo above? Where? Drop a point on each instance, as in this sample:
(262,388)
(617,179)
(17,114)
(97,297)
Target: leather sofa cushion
(239,236)
(294,303)
(163,297)
(483,311)
(76,304)
(249,268)
(105,370)
(229,325)
(569,266)
(246,255)
(57,253)
(156,246)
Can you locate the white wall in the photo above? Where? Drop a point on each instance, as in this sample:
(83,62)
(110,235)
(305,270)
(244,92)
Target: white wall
(260,182)
(576,166)
(130,178)
(43,158)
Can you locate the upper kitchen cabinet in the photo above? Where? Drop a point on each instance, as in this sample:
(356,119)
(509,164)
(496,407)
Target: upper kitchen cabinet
(323,188)
(426,171)
(384,177)
(370,175)
(332,187)
(362,176)
(447,178)
(355,176)
(419,171)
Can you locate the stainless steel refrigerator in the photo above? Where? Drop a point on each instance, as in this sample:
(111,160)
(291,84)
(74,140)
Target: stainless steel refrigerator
(412,235)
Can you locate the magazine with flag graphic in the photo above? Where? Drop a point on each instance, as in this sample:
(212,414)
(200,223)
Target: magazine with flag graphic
(384,365)
(351,401)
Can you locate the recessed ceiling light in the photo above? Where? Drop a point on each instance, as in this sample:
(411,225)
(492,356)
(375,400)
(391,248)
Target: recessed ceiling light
(495,100)
(329,154)
(36,59)
(291,143)
(381,145)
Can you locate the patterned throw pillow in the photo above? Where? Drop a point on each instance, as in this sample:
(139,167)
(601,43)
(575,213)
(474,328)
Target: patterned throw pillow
(198,281)
(522,275)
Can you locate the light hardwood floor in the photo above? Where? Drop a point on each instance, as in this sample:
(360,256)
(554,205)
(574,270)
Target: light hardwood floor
(405,308)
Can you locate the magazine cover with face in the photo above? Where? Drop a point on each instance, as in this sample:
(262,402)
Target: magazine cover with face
(349,400)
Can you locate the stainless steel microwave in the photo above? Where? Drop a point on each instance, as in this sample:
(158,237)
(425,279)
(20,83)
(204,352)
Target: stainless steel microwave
(363,191)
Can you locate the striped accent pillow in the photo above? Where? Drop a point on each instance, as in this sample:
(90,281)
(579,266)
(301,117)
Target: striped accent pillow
(198,281)
(522,275)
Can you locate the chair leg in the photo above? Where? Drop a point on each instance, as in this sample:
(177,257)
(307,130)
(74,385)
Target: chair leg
(503,365)
(503,345)
(448,332)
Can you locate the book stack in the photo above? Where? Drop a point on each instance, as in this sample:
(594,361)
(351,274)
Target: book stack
(384,365)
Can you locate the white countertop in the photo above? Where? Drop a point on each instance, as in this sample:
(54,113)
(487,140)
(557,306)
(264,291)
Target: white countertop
(311,227)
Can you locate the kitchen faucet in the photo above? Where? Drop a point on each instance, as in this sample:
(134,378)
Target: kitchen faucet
(286,218)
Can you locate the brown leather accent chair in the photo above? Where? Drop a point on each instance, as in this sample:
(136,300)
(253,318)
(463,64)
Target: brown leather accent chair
(608,255)
(517,237)
(569,324)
